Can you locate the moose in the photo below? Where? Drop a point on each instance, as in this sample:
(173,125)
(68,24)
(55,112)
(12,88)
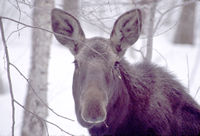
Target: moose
(115,98)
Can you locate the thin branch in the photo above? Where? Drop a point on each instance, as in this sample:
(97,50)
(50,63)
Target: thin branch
(169,10)
(39,28)
(139,51)
(47,131)
(166,63)
(18,8)
(19,29)
(26,3)
(197,92)
(9,77)
(40,118)
(188,73)
(35,93)
(18,22)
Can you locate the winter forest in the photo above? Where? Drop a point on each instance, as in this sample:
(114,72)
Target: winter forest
(36,71)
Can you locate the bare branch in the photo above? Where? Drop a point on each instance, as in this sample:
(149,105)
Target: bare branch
(35,27)
(197,92)
(166,63)
(169,10)
(188,73)
(9,77)
(140,51)
(19,29)
(25,24)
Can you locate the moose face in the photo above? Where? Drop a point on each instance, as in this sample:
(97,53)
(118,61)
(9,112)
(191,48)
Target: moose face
(94,61)
(92,80)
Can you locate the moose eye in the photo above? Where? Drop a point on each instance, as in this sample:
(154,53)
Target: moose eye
(76,63)
(116,65)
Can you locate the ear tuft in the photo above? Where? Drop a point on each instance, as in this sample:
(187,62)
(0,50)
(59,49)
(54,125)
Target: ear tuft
(126,31)
(67,29)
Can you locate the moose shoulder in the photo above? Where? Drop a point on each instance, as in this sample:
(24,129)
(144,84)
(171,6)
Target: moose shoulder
(114,98)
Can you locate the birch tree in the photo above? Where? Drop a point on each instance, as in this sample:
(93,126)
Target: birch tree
(185,30)
(38,75)
(150,32)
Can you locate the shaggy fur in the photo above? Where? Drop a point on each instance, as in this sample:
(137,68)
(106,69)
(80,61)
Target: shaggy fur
(148,101)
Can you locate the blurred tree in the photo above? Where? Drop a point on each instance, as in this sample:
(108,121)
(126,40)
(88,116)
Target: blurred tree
(38,76)
(72,7)
(185,29)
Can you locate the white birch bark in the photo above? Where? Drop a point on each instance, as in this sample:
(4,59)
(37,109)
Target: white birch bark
(38,76)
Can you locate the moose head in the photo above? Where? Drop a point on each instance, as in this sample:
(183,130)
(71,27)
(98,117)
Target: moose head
(95,59)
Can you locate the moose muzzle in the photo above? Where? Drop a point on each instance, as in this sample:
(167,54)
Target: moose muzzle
(93,105)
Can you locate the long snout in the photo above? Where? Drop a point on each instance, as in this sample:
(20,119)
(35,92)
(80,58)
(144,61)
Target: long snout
(93,106)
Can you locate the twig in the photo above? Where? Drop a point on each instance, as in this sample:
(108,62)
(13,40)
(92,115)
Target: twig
(47,131)
(18,22)
(188,73)
(141,53)
(197,92)
(18,8)
(19,29)
(39,28)
(166,63)
(9,77)
(37,94)
(172,8)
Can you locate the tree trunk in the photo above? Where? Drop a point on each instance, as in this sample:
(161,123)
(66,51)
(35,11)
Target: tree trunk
(148,25)
(185,30)
(72,7)
(38,76)
(150,31)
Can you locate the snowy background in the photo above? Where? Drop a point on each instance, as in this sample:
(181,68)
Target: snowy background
(181,60)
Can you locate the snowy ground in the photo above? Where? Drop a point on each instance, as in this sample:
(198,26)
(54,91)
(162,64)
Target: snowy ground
(167,55)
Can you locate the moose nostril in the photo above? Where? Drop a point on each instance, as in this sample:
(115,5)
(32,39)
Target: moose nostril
(94,112)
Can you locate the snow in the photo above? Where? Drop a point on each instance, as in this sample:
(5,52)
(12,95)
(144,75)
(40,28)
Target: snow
(166,54)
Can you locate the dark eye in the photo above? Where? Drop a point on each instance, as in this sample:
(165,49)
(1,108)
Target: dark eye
(75,63)
(116,65)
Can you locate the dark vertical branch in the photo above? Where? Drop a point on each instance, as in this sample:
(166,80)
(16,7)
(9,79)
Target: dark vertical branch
(9,77)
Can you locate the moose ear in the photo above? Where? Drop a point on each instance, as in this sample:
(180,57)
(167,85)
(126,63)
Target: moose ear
(126,31)
(67,30)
